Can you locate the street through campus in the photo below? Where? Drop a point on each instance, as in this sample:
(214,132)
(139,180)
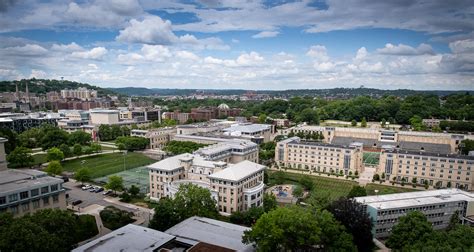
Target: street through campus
(74,192)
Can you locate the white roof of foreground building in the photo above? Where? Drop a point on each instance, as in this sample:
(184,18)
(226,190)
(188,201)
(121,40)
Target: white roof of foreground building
(200,229)
(401,200)
(128,238)
(238,172)
(174,162)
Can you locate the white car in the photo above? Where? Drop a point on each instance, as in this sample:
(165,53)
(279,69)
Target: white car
(86,187)
(107,192)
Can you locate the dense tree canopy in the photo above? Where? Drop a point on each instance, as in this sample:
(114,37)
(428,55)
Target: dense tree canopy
(132,143)
(54,168)
(55,154)
(20,158)
(179,147)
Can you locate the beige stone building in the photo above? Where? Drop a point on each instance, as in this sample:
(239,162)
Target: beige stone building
(375,139)
(439,170)
(158,137)
(234,187)
(230,151)
(319,157)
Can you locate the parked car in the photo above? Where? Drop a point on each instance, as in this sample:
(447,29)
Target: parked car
(86,187)
(98,190)
(65,179)
(107,192)
(93,188)
(76,202)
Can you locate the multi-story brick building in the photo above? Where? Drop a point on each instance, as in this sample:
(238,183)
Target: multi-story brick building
(437,205)
(234,187)
(318,156)
(439,170)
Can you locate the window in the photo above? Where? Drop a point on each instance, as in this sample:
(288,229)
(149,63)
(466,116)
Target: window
(55,198)
(13,197)
(36,204)
(24,195)
(25,207)
(3,200)
(34,192)
(44,190)
(14,209)
(46,201)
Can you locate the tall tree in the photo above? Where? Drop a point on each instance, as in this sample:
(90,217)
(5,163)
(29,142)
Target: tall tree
(54,168)
(83,175)
(166,215)
(351,214)
(12,138)
(357,191)
(194,200)
(80,137)
(115,183)
(55,154)
(412,228)
(20,158)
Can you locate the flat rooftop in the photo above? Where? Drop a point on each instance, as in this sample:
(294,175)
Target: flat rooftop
(211,231)
(128,238)
(248,128)
(239,171)
(16,179)
(401,200)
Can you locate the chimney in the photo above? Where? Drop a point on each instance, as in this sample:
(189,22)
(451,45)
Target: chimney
(27,94)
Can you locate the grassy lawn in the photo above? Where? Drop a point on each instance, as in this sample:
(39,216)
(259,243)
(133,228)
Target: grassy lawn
(103,165)
(384,189)
(335,187)
(39,159)
(104,148)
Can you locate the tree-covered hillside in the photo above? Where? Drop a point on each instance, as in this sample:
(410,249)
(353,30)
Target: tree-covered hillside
(42,86)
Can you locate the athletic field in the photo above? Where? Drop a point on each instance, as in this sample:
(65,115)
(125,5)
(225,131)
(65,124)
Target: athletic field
(137,176)
(371,158)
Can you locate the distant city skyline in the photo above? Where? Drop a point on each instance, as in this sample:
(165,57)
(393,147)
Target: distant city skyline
(253,45)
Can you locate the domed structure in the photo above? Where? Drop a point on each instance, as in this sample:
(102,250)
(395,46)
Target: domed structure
(223,106)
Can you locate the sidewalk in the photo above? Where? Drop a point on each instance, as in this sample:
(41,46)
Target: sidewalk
(86,155)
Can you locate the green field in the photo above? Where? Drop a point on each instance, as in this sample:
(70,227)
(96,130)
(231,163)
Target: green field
(137,176)
(338,187)
(335,187)
(371,158)
(103,165)
(384,189)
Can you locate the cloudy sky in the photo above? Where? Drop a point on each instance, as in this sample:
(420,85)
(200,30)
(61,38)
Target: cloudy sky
(244,44)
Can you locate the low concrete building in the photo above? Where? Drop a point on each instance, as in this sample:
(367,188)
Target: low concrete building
(24,191)
(437,205)
(258,133)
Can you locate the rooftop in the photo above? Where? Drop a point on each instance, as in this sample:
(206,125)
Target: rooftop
(212,232)
(16,179)
(431,154)
(247,128)
(239,171)
(174,163)
(128,238)
(400,200)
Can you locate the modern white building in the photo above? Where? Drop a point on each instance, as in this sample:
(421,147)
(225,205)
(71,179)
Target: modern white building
(437,205)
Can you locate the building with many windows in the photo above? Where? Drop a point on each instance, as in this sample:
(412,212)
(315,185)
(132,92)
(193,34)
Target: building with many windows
(231,151)
(319,157)
(24,191)
(235,187)
(438,170)
(437,205)
(158,137)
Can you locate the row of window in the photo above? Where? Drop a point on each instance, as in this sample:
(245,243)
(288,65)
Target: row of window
(25,207)
(459,161)
(27,194)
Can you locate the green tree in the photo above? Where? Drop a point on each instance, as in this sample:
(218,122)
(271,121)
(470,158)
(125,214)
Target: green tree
(298,191)
(12,139)
(352,215)
(166,215)
(363,122)
(309,116)
(262,118)
(295,228)
(194,200)
(383,123)
(279,177)
(319,199)
(307,183)
(20,157)
(134,190)
(353,123)
(412,228)
(114,218)
(96,147)
(466,146)
(53,137)
(115,183)
(132,143)
(54,168)
(77,149)
(66,150)
(416,123)
(30,138)
(83,175)
(357,191)
(80,137)
(55,154)
(269,202)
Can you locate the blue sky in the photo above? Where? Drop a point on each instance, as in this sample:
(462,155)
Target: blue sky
(241,44)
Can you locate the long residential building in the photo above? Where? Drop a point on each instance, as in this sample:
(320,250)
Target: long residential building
(438,170)
(235,187)
(158,137)
(319,157)
(437,205)
(375,139)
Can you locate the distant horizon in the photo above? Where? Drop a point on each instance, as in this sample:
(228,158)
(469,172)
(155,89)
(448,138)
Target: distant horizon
(251,45)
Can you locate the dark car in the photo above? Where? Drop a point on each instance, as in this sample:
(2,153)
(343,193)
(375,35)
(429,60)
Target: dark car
(98,190)
(65,179)
(76,202)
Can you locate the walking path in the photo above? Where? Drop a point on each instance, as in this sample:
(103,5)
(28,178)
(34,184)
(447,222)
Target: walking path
(86,155)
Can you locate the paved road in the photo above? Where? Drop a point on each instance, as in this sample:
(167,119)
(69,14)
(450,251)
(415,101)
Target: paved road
(90,198)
